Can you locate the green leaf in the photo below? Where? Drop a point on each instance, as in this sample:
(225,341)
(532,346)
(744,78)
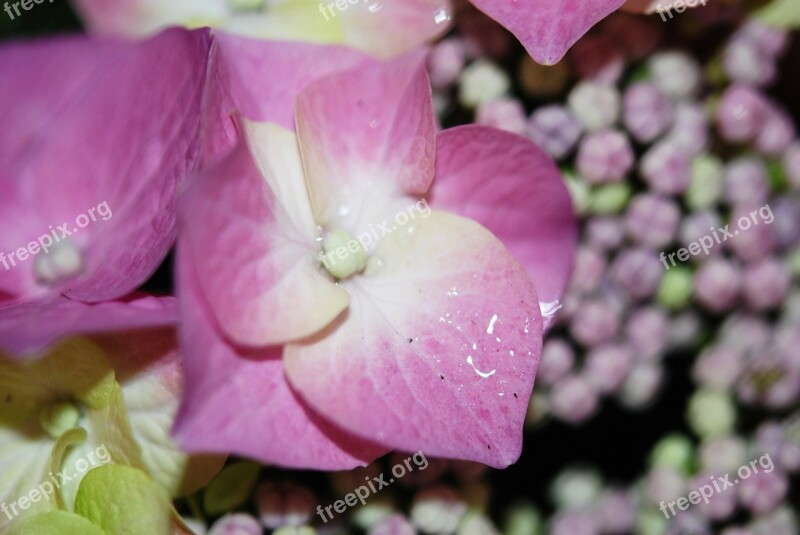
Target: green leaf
(121,499)
(230,488)
(55,523)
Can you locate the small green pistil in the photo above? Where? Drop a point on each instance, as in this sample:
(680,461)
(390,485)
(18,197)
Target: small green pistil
(344,255)
(55,419)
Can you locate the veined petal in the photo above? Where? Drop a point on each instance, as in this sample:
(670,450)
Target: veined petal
(29,328)
(438,349)
(389,150)
(251,240)
(548,28)
(238,401)
(23,466)
(510,186)
(96,179)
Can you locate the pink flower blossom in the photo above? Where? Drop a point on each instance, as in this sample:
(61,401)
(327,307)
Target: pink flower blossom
(426,337)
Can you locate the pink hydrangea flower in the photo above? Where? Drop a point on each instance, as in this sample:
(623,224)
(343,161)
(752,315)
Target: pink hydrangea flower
(425,336)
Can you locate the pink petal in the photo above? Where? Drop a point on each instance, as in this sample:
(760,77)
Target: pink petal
(264,77)
(438,349)
(29,328)
(251,240)
(389,149)
(123,134)
(238,401)
(548,28)
(510,186)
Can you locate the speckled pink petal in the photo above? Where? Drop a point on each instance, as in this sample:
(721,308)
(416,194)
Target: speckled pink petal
(510,186)
(238,401)
(246,228)
(367,135)
(97,122)
(438,349)
(27,329)
(548,28)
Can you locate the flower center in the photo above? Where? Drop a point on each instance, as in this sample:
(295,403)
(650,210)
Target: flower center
(57,418)
(343,255)
(63,261)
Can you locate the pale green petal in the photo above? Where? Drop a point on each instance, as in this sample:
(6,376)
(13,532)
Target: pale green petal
(55,523)
(150,372)
(289,20)
(23,466)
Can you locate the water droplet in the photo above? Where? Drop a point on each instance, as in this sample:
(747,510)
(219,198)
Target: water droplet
(441,15)
(482,374)
(549,308)
(490,329)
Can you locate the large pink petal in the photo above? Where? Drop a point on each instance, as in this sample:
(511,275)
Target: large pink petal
(29,328)
(239,401)
(123,134)
(438,349)
(367,135)
(548,28)
(265,77)
(510,186)
(251,240)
